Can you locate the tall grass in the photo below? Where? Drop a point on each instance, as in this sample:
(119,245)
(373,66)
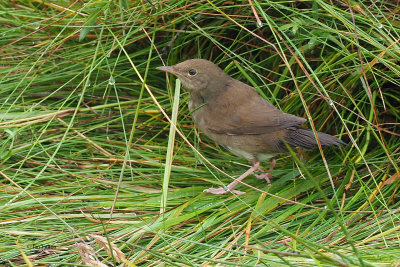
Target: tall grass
(85,122)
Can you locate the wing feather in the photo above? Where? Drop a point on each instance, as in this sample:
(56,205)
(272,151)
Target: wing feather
(251,115)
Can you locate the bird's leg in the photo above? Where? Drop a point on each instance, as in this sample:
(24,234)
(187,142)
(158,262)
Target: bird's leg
(221,190)
(266,175)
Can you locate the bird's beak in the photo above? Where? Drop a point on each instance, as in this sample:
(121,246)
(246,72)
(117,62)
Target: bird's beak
(169,69)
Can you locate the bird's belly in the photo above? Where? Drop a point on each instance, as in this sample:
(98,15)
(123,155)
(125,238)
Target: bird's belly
(246,146)
(240,153)
(250,156)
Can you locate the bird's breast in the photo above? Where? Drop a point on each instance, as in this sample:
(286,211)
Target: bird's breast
(197,106)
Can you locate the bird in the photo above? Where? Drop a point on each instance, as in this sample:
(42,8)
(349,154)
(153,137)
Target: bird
(234,115)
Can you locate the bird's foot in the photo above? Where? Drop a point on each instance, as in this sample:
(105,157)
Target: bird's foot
(267,176)
(230,187)
(220,191)
(264,175)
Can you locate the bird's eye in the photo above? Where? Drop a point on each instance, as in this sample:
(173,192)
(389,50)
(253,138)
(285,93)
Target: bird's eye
(192,72)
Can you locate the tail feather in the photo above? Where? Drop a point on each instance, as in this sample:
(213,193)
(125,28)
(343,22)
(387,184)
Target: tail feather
(304,138)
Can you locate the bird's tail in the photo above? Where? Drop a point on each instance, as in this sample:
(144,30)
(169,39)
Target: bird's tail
(304,138)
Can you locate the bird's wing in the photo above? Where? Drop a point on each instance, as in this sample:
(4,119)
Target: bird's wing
(242,112)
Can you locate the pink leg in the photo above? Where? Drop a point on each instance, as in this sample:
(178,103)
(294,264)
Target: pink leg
(229,188)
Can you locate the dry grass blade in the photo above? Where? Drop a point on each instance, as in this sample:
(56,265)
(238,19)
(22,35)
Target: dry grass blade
(111,249)
(88,255)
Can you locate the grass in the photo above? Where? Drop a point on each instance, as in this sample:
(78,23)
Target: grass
(89,162)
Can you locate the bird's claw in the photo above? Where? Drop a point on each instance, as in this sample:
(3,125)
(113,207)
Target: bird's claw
(266,176)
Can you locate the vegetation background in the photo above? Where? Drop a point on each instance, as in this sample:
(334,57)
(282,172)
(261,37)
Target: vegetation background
(88,159)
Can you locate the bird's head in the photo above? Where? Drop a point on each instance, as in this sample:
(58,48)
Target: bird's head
(196,74)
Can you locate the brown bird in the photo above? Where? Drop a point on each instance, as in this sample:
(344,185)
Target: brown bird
(235,116)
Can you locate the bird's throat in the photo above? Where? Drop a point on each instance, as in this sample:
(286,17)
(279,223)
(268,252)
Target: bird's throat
(196,101)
